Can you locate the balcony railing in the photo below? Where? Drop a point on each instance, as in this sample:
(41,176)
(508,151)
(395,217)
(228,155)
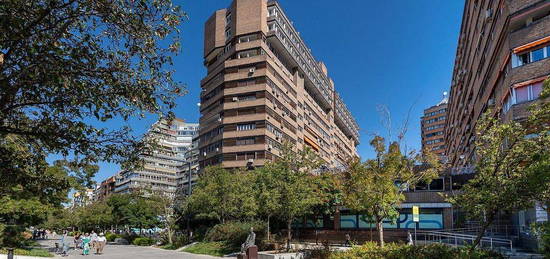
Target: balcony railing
(282,28)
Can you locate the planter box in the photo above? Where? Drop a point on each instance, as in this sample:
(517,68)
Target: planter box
(274,255)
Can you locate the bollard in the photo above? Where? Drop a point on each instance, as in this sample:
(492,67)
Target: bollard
(10,253)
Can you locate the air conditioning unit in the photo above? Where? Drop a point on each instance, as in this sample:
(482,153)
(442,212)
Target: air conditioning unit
(491,102)
(251,160)
(220,119)
(488,13)
(235,99)
(203,153)
(252,70)
(277,138)
(269,147)
(217,149)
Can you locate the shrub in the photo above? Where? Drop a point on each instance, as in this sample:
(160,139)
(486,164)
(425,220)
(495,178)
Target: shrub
(394,251)
(112,236)
(211,248)
(36,252)
(234,233)
(179,239)
(143,241)
(542,231)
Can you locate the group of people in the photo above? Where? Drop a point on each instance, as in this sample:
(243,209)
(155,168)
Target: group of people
(86,242)
(40,234)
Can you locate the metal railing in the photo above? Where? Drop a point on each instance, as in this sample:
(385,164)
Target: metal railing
(459,239)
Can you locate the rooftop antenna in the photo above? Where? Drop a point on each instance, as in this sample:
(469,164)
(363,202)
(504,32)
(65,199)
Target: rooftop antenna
(445,99)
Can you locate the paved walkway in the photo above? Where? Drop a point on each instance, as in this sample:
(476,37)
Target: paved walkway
(127,252)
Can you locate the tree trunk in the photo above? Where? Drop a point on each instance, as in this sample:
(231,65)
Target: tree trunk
(169,235)
(482,232)
(380,228)
(268,228)
(288,234)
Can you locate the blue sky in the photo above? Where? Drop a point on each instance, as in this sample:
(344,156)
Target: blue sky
(397,53)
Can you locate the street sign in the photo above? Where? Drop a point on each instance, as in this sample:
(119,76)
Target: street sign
(416,214)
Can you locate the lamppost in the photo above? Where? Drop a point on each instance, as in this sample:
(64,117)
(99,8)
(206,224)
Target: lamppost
(189,190)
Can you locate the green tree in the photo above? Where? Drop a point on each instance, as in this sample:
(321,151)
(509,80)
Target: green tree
(30,189)
(168,206)
(120,208)
(376,186)
(223,194)
(267,195)
(66,66)
(293,171)
(512,167)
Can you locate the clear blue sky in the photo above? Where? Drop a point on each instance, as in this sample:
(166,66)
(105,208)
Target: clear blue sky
(398,53)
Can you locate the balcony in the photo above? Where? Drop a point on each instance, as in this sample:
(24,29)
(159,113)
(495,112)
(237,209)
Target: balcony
(299,55)
(344,119)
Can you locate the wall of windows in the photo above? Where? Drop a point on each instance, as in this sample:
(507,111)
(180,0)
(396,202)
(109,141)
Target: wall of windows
(435,119)
(435,112)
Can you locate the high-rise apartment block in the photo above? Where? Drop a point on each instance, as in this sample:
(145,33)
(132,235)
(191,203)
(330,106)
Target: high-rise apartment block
(433,127)
(105,188)
(501,61)
(264,87)
(165,163)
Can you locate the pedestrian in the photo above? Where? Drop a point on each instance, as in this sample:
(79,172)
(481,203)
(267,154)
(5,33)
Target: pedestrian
(409,238)
(65,244)
(93,237)
(77,241)
(86,244)
(348,240)
(101,242)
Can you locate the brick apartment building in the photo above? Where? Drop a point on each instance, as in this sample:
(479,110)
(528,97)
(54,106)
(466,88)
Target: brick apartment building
(105,188)
(433,127)
(501,62)
(264,87)
(502,59)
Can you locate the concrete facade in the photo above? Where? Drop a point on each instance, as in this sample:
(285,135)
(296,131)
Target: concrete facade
(165,162)
(263,88)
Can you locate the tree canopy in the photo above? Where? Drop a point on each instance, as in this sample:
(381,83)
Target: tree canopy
(67,66)
(375,187)
(512,162)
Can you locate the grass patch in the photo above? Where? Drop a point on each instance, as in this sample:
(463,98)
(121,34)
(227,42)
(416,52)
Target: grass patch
(169,247)
(29,252)
(211,248)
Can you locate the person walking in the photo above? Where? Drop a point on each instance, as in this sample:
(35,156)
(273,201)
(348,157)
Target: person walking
(65,244)
(86,239)
(93,243)
(77,241)
(101,242)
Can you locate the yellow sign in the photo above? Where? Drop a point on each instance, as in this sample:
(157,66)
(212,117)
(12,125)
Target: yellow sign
(416,214)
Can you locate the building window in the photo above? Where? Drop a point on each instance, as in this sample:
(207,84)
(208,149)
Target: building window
(245,127)
(247,54)
(530,56)
(228,18)
(245,141)
(228,33)
(272,11)
(248,38)
(272,26)
(522,94)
